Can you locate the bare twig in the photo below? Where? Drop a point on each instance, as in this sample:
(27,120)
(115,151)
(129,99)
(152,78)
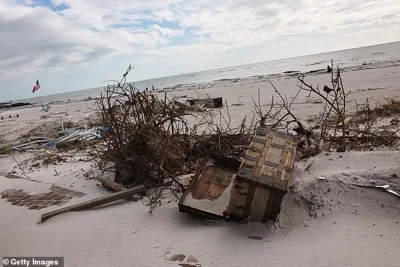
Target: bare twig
(23,172)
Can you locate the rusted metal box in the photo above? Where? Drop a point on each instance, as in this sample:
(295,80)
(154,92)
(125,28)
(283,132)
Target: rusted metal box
(263,177)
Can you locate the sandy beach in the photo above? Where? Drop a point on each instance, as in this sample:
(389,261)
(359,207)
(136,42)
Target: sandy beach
(325,220)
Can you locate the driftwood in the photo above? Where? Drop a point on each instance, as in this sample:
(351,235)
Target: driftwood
(95,202)
(107,183)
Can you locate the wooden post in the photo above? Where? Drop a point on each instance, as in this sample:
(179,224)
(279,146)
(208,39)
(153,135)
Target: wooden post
(96,202)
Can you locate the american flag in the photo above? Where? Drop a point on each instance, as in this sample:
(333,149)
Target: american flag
(36,87)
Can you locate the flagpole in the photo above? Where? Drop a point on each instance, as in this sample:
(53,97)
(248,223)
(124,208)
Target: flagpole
(43,103)
(38,87)
(41,93)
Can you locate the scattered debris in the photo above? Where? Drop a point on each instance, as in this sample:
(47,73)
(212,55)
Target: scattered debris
(88,135)
(388,188)
(19,166)
(256,237)
(9,117)
(54,159)
(190,261)
(191,258)
(178,257)
(13,105)
(206,102)
(184,108)
(309,165)
(5,150)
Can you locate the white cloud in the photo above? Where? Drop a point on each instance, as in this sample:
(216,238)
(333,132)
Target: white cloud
(37,38)
(241,23)
(167,31)
(166,15)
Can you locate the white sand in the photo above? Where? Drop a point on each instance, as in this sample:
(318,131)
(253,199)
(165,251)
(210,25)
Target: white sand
(322,223)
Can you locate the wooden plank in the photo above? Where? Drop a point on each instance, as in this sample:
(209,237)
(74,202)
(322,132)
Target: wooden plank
(256,146)
(237,200)
(252,154)
(249,201)
(290,160)
(107,183)
(269,171)
(274,155)
(195,177)
(263,131)
(286,176)
(279,141)
(259,205)
(248,164)
(270,207)
(259,139)
(282,165)
(96,202)
(182,106)
(263,154)
(276,207)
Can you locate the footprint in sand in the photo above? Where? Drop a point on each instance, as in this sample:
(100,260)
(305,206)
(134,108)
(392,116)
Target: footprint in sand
(189,261)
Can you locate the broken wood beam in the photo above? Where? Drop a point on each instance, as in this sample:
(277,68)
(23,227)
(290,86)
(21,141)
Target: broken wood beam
(96,202)
(107,183)
(182,106)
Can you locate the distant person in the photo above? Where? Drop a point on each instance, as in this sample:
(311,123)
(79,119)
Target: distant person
(153,87)
(328,69)
(147,89)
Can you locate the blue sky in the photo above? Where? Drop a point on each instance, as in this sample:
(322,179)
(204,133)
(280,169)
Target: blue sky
(77,44)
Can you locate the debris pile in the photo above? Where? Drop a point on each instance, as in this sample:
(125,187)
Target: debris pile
(241,190)
(149,139)
(46,142)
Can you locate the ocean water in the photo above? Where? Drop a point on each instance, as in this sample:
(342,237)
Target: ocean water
(343,58)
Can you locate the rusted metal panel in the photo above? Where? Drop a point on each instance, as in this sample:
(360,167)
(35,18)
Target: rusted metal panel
(208,193)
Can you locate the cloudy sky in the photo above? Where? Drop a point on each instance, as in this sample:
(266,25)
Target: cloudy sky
(77,44)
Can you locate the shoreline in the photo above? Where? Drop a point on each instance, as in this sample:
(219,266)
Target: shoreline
(284,74)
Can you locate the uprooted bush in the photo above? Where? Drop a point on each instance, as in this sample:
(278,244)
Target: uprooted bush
(149,139)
